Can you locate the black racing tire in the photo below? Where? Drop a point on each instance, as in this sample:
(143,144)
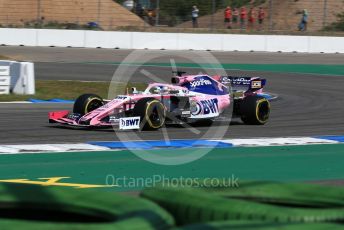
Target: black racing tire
(255,110)
(151,112)
(86,103)
(190,205)
(36,207)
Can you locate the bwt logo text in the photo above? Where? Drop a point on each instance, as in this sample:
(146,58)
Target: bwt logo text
(130,122)
(210,106)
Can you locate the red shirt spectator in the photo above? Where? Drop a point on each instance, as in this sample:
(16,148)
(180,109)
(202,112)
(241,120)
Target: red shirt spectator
(228,17)
(243,13)
(228,13)
(243,16)
(251,15)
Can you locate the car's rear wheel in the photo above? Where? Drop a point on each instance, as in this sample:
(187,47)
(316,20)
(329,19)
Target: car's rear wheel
(87,103)
(255,110)
(152,113)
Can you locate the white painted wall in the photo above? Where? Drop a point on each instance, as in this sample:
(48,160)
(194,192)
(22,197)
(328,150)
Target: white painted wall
(26,37)
(107,39)
(244,42)
(73,38)
(287,43)
(170,41)
(154,41)
(200,41)
(326,44)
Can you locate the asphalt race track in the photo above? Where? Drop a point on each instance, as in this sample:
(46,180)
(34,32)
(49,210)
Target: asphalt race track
(308,105)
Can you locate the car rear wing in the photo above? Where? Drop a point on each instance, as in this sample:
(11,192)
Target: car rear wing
(243,83)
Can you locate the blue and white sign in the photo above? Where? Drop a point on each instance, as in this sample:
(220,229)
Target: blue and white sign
(127,123)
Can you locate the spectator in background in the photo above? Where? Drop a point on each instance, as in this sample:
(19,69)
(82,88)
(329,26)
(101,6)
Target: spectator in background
(304,21)
(228,17)
(261,17)
(194,14)
(243,16)
(151,17)
(251,18)
(235,17)
(139,10)
(128,4)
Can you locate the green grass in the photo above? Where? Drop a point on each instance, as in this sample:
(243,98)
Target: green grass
(70,90)
(277,163)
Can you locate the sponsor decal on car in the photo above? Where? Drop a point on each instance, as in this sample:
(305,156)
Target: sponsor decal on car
(210,106)
(205,107)
(195,108)
(241,81)
(73,116)
(235,80)
(121,97)
(200,82)
(127,123)
(256,85)
(113,119)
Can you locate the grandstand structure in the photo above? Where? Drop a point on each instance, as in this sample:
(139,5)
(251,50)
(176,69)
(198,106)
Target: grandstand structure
(106,13)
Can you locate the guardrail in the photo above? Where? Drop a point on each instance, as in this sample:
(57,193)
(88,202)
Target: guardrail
(171,41)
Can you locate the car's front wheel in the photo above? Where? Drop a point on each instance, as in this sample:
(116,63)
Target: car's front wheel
(87,103)
(152,113)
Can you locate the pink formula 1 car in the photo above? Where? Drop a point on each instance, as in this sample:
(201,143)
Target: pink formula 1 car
(188,99)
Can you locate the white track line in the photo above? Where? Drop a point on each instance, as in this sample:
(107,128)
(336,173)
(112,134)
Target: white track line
(283,141)
(15,149)
(78,147)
